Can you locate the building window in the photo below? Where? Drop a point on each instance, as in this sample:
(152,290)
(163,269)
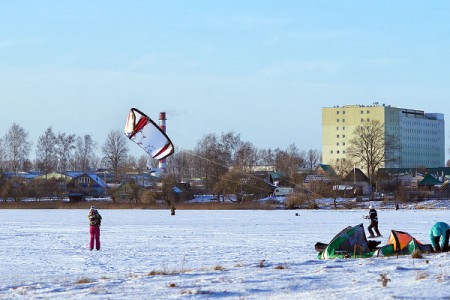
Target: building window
(337,112)
(83,180)
(337,136)
(343,136)
(343,120)
(337,120)
(362,112)
(343,112)
(337,144)
(331,151)
(337,152)
(337,127)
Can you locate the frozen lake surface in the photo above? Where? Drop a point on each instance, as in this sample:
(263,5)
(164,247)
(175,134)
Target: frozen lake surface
(252,254)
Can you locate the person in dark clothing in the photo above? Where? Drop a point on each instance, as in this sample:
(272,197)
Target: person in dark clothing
(373,216)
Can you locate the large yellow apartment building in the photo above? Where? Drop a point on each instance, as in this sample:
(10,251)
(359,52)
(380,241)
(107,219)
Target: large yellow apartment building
(421,135)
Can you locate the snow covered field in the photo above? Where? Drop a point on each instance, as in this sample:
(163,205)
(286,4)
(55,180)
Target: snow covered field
(148,254)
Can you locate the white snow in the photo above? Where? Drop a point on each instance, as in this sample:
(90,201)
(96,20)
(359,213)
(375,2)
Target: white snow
(210,254)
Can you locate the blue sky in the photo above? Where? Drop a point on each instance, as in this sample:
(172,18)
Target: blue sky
(263,69)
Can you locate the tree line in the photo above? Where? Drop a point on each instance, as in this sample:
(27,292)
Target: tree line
(222,161)
(213,156)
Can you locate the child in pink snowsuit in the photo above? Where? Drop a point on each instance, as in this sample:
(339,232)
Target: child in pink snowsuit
(95,219)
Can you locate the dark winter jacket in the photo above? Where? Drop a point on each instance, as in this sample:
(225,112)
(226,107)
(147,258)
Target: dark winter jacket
(373,216)
(94,217)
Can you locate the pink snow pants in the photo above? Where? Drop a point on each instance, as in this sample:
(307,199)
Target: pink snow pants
(94,230)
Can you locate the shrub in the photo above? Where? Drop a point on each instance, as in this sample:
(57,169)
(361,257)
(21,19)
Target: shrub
(83,281)
(299,200)
(262,263)
(417,254)
(383,279)
(148,197)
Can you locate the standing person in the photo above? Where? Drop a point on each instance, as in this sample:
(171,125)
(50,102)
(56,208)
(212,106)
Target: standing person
(95,219)
(439,235)
(373,216)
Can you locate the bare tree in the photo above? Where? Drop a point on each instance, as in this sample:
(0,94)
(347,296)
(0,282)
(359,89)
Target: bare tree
(46,160)
(265,157)
(17,146)
(240,184)
(115,151)
(342,166)
(245,156)
(182,164)
(65,144)
(84,157)
(2,155)
(289,161)
(312,158)
(212,159)
(372,147)
(143,162)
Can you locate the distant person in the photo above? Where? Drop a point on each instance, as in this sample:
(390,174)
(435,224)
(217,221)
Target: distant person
(439,235)
(373,216)
(172,211)
(397,206)
(95,219)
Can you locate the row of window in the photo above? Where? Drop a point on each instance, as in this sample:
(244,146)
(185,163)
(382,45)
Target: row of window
(343,112)
(362,120)
(421,124)
(421,146)
(404,154)
(426,140)
(409,161)
(415,162)
(337,151)
(83,180)
(411,130)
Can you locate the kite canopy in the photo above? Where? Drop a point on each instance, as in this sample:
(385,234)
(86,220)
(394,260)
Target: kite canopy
(350,242)
(402,243)
(146,133)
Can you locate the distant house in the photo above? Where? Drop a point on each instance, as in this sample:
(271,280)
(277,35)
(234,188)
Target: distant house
(23,175)
(54,175)
(410,178)
(88,183)
(359,181)
(430,183)
(322,174)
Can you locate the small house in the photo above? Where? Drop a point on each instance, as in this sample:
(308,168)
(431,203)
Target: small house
(88,183)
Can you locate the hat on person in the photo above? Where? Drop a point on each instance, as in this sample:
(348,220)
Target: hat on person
(370,206)
(93,208)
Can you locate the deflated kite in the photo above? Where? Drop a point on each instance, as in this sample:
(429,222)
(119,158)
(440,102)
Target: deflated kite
(146,133)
